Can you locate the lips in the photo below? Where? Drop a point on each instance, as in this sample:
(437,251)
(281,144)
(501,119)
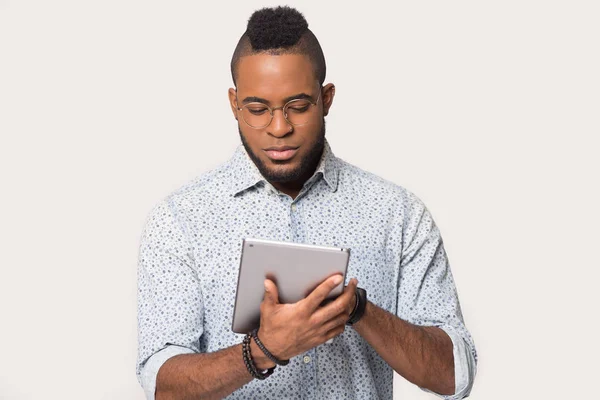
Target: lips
(281,153)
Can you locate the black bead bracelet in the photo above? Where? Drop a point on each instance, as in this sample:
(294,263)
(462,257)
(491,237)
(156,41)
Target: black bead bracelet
(262,347)
(250,366)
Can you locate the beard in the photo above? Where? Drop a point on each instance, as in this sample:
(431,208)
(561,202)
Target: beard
(307,166)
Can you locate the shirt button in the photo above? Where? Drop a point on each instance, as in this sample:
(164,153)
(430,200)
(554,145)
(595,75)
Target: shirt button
(306,359)
(294,209)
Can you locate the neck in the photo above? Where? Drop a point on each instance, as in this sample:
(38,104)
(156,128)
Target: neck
(289,190)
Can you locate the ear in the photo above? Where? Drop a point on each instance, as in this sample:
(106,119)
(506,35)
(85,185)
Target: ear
(233,102)
(328,92)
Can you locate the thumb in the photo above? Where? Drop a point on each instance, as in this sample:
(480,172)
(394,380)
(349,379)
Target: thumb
(271,293)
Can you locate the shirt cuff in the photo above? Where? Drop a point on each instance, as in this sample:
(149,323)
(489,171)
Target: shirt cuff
(150,369)
(464,366)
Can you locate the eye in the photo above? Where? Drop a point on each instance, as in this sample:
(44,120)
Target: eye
(298,108)
(257,110)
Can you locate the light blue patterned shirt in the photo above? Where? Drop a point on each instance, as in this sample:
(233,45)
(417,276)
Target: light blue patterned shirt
(190,255)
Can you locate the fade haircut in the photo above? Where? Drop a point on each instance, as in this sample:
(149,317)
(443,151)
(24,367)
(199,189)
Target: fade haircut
(276,31)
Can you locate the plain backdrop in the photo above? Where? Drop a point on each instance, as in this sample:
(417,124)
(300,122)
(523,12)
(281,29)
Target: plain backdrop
(488,111)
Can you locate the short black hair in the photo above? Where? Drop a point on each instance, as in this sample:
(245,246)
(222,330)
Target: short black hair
(280,30)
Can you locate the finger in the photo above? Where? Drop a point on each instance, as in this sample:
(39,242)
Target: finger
(334,332)
(316,297)
(344,304)
(333,323)
(271,293)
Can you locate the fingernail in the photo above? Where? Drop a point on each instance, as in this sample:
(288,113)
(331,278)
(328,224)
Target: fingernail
(337,279)
(266,286)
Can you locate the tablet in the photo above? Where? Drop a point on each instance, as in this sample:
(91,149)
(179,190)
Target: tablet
(295,268)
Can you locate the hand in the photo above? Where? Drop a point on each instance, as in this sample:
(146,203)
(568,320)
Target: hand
(291,329)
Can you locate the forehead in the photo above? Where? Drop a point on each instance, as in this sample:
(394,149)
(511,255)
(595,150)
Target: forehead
(275,77)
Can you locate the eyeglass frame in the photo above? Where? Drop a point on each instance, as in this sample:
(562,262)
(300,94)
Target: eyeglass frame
(272,110)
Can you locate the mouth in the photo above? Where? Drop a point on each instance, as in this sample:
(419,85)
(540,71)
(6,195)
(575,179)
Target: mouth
(281,153)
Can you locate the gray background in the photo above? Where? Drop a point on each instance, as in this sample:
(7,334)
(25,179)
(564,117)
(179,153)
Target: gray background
(488,111)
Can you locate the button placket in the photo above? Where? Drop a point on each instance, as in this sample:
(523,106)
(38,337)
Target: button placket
(296,223)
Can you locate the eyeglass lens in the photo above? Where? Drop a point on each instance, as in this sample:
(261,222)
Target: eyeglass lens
(258,115)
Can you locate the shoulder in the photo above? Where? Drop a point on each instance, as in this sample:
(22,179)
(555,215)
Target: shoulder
(207,188)
(368,185)
(212,183)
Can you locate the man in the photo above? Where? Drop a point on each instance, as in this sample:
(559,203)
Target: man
(285,184)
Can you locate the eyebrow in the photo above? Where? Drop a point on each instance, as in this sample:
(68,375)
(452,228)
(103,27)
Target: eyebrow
(254,99)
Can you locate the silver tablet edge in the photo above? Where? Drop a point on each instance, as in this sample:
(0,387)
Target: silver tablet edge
(237,288)
(294,244)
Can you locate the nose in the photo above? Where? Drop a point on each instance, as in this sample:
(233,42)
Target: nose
(279,126)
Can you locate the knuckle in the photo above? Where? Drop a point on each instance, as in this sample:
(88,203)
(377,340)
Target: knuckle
(313,320)
(303,309)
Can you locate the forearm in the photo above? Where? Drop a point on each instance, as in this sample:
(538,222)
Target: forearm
(422,355)
(206,376)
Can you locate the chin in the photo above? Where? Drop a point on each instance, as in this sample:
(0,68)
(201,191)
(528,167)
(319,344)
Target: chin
(282,174)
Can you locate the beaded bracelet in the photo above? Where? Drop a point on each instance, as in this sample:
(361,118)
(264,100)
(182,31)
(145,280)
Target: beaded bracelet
(262,347)
(250,366)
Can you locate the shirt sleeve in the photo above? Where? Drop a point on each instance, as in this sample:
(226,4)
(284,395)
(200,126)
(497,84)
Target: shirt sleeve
(427,294)
(170,306)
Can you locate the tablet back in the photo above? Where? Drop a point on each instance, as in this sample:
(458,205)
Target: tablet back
(295,268)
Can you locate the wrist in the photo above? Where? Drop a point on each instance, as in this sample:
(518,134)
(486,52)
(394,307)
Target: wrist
(256,372)
(261,361)
(358,325)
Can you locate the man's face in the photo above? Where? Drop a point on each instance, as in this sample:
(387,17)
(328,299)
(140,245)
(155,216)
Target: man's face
(282,152)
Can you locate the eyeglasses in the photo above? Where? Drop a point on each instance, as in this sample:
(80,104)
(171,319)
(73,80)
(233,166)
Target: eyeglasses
(296,112)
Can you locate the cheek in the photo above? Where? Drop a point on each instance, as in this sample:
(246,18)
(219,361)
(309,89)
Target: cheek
(310,130)
(251,136)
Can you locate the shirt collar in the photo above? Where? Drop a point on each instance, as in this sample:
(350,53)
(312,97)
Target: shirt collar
(246,175)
